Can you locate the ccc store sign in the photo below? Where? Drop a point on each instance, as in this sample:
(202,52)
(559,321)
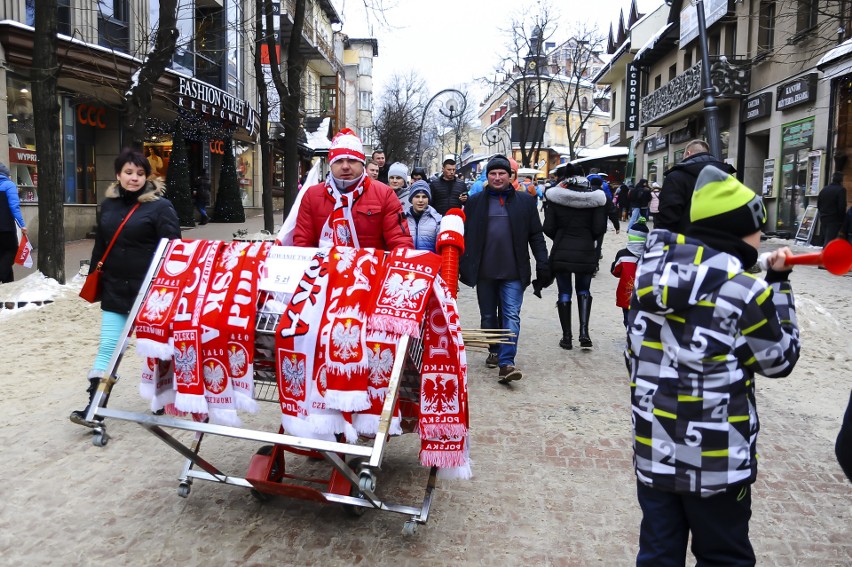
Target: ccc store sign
(90,115)
(217,147)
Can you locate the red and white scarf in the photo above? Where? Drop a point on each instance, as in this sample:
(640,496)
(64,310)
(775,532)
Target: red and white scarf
(339,229)
(351,273)
(154,321)
(404,288)
(381,349)
(444,414)
(296,340)
(187,333)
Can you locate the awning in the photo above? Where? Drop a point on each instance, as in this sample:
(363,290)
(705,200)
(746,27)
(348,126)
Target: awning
(604,152)
(838,61)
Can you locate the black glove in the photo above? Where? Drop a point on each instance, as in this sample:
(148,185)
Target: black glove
(543,279)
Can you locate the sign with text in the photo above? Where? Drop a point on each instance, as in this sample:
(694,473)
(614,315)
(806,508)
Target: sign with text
(797,92)
(758,106)
(768,177)
(656,143)
(285,266)
(203,98)
(713,12)
(631,111)
(22,155)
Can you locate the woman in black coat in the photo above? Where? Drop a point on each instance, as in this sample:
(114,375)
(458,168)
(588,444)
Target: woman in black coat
(128,261)
(574,219)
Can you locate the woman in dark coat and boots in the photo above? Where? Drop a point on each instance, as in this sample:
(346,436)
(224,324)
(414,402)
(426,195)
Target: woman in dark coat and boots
(128,261)
(574,219)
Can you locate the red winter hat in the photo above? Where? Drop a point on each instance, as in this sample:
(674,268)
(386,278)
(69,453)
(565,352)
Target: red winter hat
(346,144)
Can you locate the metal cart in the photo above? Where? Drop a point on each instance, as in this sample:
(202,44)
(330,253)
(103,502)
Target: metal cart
(352,476)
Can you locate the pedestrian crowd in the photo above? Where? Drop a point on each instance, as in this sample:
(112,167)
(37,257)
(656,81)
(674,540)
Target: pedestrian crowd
(699,327)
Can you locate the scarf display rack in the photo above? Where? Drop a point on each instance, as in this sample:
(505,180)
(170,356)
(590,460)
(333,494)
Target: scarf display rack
(352,468)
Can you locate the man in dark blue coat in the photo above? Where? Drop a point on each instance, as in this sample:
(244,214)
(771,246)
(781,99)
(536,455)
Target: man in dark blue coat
(501,227)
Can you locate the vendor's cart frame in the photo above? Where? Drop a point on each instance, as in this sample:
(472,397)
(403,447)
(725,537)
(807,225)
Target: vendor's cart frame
(353,476)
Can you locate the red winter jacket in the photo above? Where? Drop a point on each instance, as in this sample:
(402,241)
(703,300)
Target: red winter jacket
(379,220)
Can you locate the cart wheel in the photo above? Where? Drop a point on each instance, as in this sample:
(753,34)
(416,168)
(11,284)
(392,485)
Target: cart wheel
(99,437)
(355,511)
(409,528)
(260,496)
(184,489)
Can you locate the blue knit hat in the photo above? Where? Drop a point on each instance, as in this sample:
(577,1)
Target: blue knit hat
(419,186)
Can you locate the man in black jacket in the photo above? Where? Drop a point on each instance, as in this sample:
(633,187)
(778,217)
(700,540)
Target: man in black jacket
(501,226)
(679,183)
(831,204)
(447,191)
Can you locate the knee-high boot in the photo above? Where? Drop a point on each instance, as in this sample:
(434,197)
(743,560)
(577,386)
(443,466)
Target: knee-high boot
(584,307)
(564,310)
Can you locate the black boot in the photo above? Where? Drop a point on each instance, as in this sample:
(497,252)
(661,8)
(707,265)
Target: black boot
(79,416)
(584,307)
(564,310)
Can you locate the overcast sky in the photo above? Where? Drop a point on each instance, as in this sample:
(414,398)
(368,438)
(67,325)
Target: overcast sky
(453,42)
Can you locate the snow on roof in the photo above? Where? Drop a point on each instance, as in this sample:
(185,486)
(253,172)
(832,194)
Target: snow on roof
(318,140)
(841,51)
(653,41)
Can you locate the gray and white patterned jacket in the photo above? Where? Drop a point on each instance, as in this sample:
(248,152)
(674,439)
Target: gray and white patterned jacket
(699,329)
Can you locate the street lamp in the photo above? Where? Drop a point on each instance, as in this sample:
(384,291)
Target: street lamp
(496,135)
(711,111)
(451,104)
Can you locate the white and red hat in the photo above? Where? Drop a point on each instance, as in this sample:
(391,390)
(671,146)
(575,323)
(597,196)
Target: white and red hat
(346,144)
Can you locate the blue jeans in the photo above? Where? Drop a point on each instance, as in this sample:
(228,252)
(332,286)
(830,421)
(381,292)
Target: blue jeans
(509,296)
(719,526)
(563,285)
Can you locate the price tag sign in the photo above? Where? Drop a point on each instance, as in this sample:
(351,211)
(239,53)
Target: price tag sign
(285,266)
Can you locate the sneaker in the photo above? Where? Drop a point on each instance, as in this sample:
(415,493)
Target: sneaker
(493,360)
(509,373)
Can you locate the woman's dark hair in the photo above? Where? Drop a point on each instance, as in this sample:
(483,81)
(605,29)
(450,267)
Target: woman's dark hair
(129,155)
(642,183)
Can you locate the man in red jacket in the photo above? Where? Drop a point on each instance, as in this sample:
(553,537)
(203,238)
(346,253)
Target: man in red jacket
(349,208)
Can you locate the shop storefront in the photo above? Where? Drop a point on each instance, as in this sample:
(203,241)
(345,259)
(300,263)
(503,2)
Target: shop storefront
(837,67)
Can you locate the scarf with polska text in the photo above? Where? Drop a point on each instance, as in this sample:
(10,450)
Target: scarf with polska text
(187,333)
(351,272)
(339,229)
(154,321)
(403,290)
(240,325)
(295,344)
(444,416)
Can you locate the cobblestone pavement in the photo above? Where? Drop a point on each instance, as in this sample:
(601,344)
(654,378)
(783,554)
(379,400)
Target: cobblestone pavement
(553,480)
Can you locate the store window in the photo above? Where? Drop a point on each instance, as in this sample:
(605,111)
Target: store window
(235,46)
(796,144)
(22,144)
(652,171)
(245,172)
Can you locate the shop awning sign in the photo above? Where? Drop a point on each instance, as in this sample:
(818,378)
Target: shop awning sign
(797,92)
(758,106)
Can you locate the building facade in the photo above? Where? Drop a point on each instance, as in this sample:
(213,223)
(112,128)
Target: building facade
(210,88)
(782,125)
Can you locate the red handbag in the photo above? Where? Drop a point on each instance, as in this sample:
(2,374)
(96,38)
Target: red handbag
(93,286)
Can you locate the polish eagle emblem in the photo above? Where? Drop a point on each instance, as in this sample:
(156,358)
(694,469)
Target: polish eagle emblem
(346,339)
(293,370)
(440,394)
(158,303)
(232,254)
(237,360)
(345,258)
(381,364)
(404,292)
(185,363)
(343,234)
(214,377)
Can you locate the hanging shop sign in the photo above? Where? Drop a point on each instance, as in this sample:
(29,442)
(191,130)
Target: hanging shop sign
(797,92)
(91,115)
(631,115)
(656,143)
(22,155)
(758,106)
(217,147)
(202,98)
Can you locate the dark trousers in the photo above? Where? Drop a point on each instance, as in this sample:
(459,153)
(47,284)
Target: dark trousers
(843,447)
(719,526)
(8,251)
(829,231)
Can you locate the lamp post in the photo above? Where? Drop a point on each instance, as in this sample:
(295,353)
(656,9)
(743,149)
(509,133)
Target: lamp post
(452,104)
(711,111)
(496,135)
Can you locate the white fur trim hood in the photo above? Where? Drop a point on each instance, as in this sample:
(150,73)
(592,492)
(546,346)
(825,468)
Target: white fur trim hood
(576,199)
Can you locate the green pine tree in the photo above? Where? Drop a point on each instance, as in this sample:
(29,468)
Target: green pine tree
(229,205)
(178,182)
